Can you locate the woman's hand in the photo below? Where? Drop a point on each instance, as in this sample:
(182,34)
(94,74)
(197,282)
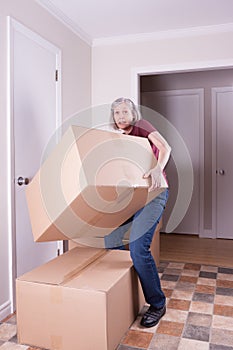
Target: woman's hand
(156,177)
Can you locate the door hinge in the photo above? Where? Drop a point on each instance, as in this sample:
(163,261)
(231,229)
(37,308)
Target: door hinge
(56,75)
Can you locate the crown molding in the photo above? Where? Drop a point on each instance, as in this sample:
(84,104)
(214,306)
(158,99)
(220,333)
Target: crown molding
(167,34)
(132,38)
(53,10)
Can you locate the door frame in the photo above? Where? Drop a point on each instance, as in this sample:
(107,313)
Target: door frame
(12,26)
(184,67)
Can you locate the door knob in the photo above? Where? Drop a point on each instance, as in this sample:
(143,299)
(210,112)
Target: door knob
(22,181)
(221,172)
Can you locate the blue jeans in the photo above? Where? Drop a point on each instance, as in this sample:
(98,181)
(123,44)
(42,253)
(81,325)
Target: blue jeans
(143,224)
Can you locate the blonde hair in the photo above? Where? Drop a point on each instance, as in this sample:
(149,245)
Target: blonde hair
(135,112)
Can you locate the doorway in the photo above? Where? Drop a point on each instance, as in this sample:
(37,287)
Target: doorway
(35,114)
(212,203)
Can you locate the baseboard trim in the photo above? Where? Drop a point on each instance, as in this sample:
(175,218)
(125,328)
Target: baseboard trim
(5,310)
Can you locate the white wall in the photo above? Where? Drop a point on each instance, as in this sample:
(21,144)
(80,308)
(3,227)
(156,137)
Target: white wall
(113,64)
(76,95)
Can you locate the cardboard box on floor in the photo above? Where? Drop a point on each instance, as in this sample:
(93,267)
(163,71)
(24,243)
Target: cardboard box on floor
(85,299)
(90,184)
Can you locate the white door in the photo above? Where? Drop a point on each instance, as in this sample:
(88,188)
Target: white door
(184,110)
(35,117)
(222,111)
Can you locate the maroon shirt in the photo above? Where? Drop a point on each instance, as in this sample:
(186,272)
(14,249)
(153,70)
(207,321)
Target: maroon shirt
(143,128)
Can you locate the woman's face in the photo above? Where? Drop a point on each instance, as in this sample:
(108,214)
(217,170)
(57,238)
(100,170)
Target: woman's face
(123,116)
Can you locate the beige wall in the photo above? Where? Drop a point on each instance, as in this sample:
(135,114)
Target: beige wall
(76,95)
(112,64)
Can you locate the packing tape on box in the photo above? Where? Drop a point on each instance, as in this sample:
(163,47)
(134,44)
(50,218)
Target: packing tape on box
(56,342)
(79,269)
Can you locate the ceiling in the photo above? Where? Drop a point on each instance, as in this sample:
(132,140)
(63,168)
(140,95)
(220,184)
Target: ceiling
(98,19)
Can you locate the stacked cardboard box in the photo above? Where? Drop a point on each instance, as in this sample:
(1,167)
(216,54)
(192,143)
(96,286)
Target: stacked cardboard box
(88,297)
(85,299)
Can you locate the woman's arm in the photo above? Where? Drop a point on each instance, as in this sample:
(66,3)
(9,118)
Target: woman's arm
(164,153)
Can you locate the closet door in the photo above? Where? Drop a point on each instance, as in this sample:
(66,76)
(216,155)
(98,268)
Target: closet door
(222,113)
(184,109)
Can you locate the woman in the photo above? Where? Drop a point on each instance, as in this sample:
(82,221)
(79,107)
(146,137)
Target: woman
(126,118)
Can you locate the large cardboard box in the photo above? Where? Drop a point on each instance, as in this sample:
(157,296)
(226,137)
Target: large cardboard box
(90,184)
(84,299)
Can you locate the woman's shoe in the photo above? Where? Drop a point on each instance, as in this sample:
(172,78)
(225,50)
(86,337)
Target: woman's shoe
(152,316)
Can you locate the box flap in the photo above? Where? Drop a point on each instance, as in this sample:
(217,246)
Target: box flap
(64,267)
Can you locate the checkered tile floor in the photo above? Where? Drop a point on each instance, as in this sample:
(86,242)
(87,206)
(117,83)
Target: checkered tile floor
(199,313)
